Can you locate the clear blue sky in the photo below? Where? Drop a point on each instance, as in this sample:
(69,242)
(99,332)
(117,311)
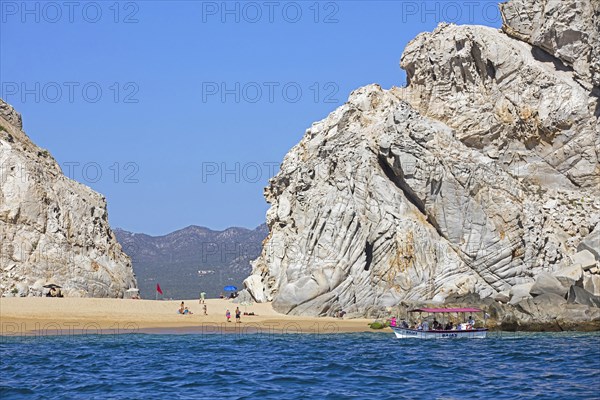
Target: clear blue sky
(163,130)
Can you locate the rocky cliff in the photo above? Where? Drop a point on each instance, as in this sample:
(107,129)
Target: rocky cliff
(477,178)
(52,229)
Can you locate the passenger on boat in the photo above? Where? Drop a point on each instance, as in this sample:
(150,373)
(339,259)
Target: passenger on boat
(425,325)
(448,326)
(419,326)
(404,324)
(436,325)
(393,322)
(471,321)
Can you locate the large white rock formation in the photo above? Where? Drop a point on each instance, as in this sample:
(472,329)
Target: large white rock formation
(52,229)
(478,176)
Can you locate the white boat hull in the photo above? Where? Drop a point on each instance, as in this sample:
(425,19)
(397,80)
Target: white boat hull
(402,333)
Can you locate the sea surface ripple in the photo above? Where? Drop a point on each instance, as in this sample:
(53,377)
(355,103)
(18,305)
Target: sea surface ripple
(292,366)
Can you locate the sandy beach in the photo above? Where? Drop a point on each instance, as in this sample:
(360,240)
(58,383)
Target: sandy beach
(48,316)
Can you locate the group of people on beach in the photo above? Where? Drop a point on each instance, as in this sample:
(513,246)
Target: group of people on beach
(186,311)
(183,310)
(238,315)
(435,326)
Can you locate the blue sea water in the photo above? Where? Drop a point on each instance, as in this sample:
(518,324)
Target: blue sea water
(291,366)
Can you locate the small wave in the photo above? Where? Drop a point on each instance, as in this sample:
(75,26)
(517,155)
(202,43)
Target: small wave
(292,366)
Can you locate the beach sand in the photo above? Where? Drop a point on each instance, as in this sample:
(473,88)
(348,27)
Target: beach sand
(47,316)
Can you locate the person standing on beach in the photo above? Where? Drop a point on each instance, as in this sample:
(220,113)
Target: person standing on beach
(205,311)
(202,294)
(238,315)
(228,315)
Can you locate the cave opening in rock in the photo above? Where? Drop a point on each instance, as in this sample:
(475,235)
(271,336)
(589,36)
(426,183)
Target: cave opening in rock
(369,255)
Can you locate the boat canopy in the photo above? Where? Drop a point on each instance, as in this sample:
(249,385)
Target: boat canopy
(446,310)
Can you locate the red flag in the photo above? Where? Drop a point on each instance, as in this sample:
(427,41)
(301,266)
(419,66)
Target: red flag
(158,289)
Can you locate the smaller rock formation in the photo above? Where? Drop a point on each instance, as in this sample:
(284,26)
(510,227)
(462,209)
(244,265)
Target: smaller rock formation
(591,283)
(519,292)
(546,283)
(585,259)
(572,275)
(578,295)
(591,243)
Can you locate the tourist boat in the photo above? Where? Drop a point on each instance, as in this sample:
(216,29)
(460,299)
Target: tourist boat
(464,330)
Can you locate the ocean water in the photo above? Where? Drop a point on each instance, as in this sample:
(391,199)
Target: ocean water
(292,366)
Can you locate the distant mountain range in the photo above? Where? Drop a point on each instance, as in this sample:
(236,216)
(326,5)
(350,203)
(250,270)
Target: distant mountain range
(192,259)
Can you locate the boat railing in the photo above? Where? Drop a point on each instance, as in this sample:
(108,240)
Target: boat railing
(441,330)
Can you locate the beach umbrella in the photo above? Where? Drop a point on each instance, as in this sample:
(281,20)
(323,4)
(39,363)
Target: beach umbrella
(230,288)
(52,285)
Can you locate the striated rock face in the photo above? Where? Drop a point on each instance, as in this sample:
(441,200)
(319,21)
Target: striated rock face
(52,229)
(508,100)
(569,30)
(477,177)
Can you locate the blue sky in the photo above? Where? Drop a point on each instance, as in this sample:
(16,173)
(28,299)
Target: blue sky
(180,111)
